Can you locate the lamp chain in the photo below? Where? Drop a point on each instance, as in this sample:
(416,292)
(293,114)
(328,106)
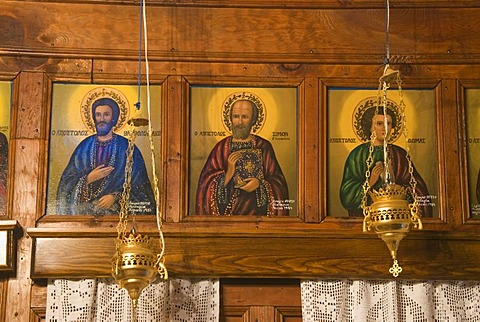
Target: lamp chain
(387,32)
(125,197)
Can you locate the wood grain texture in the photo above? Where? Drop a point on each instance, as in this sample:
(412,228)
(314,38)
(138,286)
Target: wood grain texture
(71,30)
(321,256)
(29,107)
(306,43)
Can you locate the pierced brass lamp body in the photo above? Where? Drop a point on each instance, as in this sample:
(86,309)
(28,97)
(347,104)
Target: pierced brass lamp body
(135,264)
(391,217)
(390,214)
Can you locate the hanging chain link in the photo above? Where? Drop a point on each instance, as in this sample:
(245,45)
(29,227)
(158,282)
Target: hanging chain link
(373,136)
(158,216)
(413,181)
(125,196)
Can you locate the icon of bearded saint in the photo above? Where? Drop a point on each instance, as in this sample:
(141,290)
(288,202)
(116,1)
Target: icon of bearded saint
(92,182)
(242,175)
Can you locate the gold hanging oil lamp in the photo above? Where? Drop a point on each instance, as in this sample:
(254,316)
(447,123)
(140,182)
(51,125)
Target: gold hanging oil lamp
(392,210)
(137,262)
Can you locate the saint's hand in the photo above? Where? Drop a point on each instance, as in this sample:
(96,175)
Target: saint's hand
(251,184)
(375,173)
(98,173)
(106,201)
(232,160)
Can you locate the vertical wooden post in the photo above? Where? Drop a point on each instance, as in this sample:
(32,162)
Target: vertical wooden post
(29,114)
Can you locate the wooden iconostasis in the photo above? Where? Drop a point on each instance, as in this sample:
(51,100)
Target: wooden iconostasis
(311,67)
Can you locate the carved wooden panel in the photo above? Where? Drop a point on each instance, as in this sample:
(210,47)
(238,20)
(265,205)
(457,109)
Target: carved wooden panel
(260,301)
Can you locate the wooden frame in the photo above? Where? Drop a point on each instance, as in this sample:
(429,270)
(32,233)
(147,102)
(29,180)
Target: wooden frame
(9,230)
(72,123)
(467,91)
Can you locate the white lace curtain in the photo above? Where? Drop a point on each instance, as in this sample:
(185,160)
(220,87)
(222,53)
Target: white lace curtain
(391,301)
(322,301)
(101,300)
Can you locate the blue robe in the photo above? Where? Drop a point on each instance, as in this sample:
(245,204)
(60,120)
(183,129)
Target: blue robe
(75,197)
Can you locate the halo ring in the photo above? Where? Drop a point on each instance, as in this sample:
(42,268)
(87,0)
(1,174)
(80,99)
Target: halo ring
(104,92)
(248,96)
(364,112)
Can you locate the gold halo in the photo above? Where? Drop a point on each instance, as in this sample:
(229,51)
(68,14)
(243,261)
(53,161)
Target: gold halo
(248,96)
(104,92)
(366,108)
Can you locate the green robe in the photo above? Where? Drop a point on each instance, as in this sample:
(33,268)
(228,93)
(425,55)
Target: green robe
(351,190)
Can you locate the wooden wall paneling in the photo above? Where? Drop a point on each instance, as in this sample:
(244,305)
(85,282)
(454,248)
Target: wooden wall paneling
(450,182)
(38,301)
(176,156)
(324,4)
(296,40)
(309,152)
(311,254)
(28,115)
(3,297)
(204,33)
(276,300)
(343,72)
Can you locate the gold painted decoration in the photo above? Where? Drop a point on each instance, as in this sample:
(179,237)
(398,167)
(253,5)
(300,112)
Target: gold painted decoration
(104,92)
(247,96)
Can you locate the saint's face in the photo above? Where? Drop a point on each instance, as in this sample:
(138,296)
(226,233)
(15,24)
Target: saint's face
(242,114)
(378,125)
(103,119)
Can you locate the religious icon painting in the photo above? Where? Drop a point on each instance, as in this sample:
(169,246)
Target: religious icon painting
(472,113)
(89,136)
(352,117)
(5,105)
(243,151)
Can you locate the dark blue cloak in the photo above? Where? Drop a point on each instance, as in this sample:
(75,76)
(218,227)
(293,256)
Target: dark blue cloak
(70,200)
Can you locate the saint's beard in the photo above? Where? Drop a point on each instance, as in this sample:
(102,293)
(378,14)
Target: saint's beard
(103,128)
(241,132)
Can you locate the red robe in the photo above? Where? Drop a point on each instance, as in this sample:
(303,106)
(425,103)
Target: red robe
(213,198)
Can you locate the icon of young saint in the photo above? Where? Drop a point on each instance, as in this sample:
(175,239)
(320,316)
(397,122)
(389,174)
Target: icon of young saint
(242,176)
(368,119)
(92,182)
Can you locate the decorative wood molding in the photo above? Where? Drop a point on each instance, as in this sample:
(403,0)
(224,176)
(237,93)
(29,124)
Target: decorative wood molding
(308,254)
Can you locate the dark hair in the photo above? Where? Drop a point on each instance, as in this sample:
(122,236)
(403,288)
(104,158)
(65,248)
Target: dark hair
(368,117)
(109,102)
(254,110)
